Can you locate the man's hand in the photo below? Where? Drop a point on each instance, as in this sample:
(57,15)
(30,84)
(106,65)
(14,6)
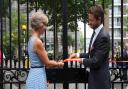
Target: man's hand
(81,61)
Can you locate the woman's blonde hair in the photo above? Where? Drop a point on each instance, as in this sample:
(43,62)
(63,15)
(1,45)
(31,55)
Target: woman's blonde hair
(37,18)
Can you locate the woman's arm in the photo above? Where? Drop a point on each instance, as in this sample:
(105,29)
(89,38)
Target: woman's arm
(40,50)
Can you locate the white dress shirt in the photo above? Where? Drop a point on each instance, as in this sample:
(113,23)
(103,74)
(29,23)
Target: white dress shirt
(97,30)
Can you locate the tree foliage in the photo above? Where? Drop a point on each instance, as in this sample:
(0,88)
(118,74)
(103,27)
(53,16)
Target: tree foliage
(5,6)
(76,9)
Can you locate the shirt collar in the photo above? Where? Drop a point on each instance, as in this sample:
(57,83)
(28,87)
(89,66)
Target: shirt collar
(97,30)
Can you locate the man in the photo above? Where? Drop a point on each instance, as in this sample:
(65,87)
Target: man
(97,57)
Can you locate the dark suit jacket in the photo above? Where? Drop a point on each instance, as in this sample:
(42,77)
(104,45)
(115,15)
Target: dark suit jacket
(97,60)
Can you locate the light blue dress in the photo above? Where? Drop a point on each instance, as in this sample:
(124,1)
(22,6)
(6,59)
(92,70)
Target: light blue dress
(37,76)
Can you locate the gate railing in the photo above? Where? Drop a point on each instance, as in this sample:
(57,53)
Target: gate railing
(14,35)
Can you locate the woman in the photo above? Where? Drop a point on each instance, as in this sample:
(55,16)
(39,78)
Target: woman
(38,55)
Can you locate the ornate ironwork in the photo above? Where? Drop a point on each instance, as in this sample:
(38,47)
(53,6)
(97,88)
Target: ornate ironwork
(14,75)
(116,74)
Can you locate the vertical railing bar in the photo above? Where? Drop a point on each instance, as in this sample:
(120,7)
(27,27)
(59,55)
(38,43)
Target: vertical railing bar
(122,30)
(65,34)
(75,30)
(54,27)
(94,2)
(36,5)
(122,87)
(45,39)
(0,23)
(112,31)
(1,34)
(122,42)
(19,85)
(54,32)
(10,40)
(27,30)
(10,85)
(103,2)
(112,35)
(1,44)
(64,23)
(54,85)
(76,49)
(85,22)
(10,32)
(19,32)
(27,19)
(112,85)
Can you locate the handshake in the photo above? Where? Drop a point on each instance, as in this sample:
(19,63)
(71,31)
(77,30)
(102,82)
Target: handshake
(72,57)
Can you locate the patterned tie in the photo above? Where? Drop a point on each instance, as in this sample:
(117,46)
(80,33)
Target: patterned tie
(91,40)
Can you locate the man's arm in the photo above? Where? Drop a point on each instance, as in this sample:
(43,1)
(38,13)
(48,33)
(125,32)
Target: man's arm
(84,55)
(79,55)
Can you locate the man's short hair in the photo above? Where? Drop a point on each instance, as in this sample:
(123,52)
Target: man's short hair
(97,11)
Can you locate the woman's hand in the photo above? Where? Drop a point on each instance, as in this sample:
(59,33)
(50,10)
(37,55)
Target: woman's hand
(60,64)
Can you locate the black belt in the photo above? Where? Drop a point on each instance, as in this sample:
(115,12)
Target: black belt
(37,66)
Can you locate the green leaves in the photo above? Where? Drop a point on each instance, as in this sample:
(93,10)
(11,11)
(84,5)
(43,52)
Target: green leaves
(76,9)
(5,5)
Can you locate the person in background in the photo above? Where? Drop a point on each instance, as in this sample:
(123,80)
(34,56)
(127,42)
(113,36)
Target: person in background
(37,54)
(125,64)
(97,59)
(125,52)
(1,57)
